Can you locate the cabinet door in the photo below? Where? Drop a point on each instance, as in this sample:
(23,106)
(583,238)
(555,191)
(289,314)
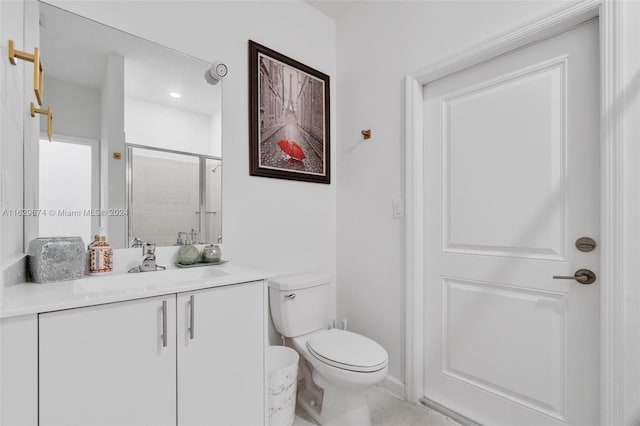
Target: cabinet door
(109,364)
(221,366)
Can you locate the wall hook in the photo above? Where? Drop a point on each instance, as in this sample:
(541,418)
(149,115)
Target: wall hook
(38,72)
(49,115)
(366,134)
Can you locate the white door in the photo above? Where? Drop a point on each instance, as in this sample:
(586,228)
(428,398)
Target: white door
(67,197)
(512,181)
(221,347)
(109,364)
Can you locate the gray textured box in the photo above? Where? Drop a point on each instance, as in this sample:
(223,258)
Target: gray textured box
(56,259)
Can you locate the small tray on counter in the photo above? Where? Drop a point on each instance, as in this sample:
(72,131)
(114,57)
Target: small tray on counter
(196,265)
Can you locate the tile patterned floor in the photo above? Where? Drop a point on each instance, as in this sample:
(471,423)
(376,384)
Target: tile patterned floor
(389,410)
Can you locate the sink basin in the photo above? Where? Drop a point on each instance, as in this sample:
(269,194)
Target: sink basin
(137,269)
(203,272)
(136,282)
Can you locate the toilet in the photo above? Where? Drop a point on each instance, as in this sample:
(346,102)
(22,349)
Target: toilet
(337,365)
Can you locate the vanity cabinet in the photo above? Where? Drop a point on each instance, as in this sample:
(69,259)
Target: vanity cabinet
(190,358)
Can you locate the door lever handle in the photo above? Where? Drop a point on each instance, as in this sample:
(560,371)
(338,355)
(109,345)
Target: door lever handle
(583,276)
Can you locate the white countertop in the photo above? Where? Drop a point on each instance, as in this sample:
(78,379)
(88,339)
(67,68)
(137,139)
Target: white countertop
(30,298)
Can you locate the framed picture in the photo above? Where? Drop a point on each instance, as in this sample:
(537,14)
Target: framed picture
(288,118)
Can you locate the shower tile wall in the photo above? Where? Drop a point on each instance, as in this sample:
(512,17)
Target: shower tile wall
(165,198)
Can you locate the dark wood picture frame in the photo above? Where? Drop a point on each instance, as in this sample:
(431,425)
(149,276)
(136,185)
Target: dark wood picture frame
(289,126)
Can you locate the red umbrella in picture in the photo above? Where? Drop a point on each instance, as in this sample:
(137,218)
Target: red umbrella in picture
(292,149)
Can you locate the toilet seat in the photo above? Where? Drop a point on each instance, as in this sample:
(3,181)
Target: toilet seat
(347,351)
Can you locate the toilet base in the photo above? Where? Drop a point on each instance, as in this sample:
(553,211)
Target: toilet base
(311,395)
(333,396)
(309,405)
(340,406)
(338,409)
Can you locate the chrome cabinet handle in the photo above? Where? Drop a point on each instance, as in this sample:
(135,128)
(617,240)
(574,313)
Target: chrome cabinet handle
(583,276)
(290,296)
(192,310)
(164,323)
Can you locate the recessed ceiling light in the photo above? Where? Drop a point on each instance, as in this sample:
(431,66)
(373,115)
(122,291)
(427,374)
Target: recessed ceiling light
(175,95)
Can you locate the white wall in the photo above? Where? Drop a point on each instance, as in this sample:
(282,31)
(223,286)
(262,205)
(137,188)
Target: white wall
(76,109)
(215,130)
(152,124)
(16,126)
(112,170)
(276,225)
(13,107)
(378,44)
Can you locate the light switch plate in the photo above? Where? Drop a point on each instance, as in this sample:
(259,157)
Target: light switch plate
(398,208)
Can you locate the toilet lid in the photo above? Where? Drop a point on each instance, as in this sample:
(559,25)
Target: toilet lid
(349,351)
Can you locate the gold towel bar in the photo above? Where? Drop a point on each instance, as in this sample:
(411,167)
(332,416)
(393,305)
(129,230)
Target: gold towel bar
(38,72)
(49,115)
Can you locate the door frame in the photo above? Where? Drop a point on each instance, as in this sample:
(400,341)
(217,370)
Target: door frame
(619,185)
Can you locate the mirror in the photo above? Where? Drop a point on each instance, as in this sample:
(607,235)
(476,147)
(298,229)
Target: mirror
(136,138)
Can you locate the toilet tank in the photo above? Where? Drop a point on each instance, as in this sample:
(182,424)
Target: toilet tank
(299,303)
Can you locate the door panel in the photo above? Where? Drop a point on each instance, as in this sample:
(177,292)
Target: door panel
(484,213)
(475,334)
(512,180)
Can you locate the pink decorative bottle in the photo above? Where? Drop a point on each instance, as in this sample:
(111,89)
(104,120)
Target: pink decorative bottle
(100,254)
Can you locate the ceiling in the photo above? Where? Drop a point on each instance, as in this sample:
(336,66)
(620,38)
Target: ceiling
(332,8)
(75,49)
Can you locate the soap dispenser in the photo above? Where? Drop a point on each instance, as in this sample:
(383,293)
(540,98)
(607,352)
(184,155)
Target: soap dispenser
(100,254)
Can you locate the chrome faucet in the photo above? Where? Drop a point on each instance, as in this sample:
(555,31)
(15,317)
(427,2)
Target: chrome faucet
(149,259)
(186,238)
(194,236)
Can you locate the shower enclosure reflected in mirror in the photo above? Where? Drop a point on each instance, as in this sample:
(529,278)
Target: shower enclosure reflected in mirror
(169,187)
(137,138)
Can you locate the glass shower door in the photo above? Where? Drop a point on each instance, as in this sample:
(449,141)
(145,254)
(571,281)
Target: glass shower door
(174,197)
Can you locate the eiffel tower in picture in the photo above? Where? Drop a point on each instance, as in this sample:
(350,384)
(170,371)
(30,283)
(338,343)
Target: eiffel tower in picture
(290,111)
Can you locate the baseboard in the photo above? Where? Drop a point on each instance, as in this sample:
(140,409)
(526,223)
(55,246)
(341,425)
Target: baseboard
(393,385)
(464,421)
